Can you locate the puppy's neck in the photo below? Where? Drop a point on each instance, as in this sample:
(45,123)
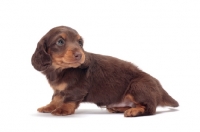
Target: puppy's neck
(52,74)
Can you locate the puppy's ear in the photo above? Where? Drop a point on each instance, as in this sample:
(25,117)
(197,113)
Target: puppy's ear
(41,60)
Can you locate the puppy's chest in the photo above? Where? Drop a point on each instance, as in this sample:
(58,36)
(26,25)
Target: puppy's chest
(59,86)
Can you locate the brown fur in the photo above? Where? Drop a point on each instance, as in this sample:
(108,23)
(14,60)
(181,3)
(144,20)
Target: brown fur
(79,76)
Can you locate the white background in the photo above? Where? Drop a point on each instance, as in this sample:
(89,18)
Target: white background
(162,37)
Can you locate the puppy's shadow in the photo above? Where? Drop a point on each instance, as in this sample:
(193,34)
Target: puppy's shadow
(92,111)
(166,111)
(83,112)
(104,111)
(78,113)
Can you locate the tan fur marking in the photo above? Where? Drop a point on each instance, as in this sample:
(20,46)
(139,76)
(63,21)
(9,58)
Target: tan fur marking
(78,37)
(130,98)
(59,87)
(139,110)
(63,35)
(68,57)
(56,101)
(65,109)
(67,60)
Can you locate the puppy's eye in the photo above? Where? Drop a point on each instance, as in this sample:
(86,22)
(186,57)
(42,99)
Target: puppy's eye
(60,42)
(80,42)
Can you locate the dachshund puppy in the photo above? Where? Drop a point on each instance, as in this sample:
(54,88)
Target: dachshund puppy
(78,76)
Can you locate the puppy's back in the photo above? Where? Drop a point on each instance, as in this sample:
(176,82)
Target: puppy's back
(109,78)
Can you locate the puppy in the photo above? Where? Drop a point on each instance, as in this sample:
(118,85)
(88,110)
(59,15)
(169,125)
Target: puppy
(78,76)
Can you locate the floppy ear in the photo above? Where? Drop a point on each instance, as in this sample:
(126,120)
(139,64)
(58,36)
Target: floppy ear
(41,60)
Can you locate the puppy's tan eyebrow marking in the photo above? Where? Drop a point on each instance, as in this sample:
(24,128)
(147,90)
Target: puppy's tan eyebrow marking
(79,37)
(63,35)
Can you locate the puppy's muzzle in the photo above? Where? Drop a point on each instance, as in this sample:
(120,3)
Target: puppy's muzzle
(77,55)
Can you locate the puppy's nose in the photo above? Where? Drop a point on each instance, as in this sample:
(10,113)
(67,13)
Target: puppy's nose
(77,55)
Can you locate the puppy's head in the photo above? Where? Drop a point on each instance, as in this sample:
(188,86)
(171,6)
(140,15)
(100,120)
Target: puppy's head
(61,47)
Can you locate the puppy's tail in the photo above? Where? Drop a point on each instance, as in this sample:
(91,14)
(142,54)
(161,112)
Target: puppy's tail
(167,100)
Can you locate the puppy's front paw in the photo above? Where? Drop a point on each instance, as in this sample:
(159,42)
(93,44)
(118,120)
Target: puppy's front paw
(46,109)
(62,112)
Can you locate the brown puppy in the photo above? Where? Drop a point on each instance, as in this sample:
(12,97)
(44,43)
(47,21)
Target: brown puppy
(78,76)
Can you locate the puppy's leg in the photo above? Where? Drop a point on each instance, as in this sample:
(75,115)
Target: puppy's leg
(56,101)
(144,94)
(65,109)
(126,103)
(71,100)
